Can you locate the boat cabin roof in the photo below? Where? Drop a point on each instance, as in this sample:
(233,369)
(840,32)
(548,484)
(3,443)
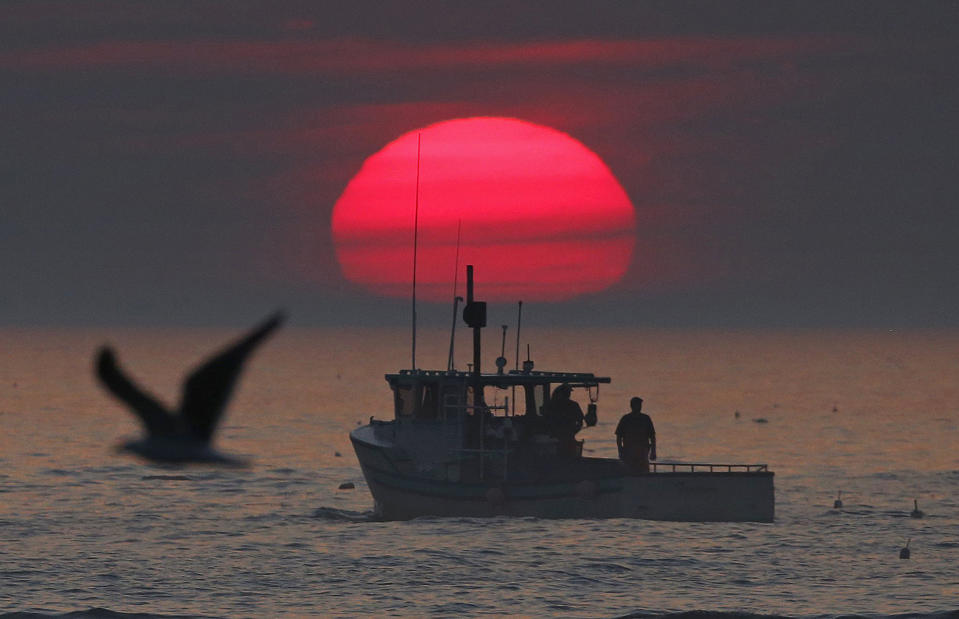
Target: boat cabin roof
(433,395)
(506,379)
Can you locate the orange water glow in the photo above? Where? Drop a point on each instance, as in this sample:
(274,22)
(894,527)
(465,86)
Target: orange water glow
(542,217)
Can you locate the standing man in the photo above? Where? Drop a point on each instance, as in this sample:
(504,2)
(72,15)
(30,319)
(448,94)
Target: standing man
(636,438)
(565,418)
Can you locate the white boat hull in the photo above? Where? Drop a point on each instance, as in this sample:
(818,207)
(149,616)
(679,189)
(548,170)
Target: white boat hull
(678,496)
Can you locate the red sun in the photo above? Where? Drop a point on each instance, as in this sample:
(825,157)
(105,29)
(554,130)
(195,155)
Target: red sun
(542,217)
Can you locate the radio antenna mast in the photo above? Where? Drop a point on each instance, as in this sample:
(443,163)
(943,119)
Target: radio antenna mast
(456,267)
(519,325)
(416,221)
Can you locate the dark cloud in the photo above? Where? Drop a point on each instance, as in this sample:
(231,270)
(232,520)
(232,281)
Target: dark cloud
(791,163)
(345,56)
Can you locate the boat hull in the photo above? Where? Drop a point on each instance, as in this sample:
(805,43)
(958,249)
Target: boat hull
(675,496)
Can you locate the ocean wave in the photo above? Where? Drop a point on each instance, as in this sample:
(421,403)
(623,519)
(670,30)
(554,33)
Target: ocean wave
(712,614)
(104,613)
(342,515)
(99,613)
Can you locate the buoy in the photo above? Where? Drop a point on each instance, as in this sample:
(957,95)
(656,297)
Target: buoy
(916,512)
(904,553)
(347,485)
(837,504)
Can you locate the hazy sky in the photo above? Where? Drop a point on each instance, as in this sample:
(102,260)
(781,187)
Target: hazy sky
(178,162)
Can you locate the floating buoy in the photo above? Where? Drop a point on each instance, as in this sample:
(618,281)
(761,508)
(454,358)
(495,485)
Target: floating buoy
(916,512)
(904,553)
(347,485)
(837,504)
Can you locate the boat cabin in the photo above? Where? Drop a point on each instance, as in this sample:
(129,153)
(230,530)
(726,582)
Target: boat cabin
(432,395)
(511,406)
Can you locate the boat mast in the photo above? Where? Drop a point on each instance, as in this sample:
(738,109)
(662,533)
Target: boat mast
(416,221)
(456,299)
(450,366)
(474,315)
(519,325)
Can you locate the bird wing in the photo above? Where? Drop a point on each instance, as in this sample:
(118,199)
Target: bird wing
(155,416)
(208,388)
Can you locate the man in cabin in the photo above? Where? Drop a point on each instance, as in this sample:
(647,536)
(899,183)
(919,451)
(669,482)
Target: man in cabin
(636,438)
(565,419)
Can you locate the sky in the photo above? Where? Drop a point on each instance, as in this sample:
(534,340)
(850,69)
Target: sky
(791,164)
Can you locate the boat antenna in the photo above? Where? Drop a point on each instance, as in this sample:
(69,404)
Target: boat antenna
(416,221)
(456,302)
(456,261)
(519,324)
(501,360)
(456,299)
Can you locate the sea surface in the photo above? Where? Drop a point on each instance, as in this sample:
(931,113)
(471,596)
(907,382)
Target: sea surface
(873,414)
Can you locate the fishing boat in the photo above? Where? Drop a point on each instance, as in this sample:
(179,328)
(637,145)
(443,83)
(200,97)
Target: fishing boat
(477,444)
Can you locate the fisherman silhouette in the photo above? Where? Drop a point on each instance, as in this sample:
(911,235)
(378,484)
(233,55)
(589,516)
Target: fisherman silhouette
(184,435)
(565,419)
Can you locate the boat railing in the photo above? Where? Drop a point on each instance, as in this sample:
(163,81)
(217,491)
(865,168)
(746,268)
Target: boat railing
(701,467)
(486,455)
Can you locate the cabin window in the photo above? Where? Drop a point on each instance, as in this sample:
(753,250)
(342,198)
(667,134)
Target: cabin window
(535,398)
(476,405)
(405,396)
(452,402)
(428,404)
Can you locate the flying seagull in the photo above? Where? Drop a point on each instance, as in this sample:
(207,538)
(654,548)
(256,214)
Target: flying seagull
(184,435)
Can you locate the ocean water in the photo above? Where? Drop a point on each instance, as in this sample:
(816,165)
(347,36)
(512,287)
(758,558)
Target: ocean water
(873,414)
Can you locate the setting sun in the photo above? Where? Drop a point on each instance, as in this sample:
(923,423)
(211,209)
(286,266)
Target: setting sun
(541,216)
